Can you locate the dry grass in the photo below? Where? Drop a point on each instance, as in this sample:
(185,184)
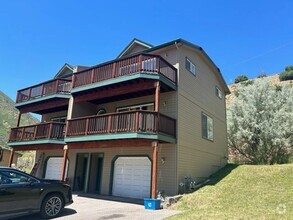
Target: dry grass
(242,192)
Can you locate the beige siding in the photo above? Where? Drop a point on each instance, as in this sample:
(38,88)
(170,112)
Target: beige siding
(82,109)
(135,49)
(6,157)
(167,105)
(166,174)
(50,116)
(198,157)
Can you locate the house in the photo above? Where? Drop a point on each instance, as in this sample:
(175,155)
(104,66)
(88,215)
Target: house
(133,126)
(5,154)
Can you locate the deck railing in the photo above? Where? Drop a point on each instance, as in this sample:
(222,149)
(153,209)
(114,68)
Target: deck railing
(140,63)
(123,122)
(62,86)
(49,130)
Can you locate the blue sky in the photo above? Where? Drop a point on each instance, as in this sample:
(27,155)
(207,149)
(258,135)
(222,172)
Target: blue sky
(38,37)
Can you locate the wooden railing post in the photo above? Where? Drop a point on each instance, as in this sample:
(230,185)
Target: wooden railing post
(11,135)
(140,63)
(43,88)
(22,134)
(114,70)
(92,75)
(66,128)
(29,93)
(35,132)
(157,104)
(50,130)
(159,65)
(86,126)
(109,124)
(73,81)
(56,86)
(137,122)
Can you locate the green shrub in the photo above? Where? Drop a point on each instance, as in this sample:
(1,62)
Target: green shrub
(278,88)
(288,68)
(287,75)
(262,75)
(241,78)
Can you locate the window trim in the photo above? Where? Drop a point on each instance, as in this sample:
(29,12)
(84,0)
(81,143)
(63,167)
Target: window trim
(191,64)
(219,91)
(118,109)
(58,119)
(202,128)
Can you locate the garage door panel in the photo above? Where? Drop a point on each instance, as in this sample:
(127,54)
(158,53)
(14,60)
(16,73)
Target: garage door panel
(54,168)
(132,177)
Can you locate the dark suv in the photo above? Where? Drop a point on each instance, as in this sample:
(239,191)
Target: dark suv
(22,194)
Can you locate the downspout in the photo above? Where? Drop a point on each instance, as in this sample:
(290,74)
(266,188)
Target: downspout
(176,145)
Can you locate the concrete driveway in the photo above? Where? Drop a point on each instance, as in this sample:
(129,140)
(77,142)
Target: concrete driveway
(104,208)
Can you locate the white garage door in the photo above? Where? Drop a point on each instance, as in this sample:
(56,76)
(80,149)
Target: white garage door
(54,168)
(132,177)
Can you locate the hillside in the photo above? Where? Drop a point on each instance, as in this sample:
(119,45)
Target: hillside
(8,117)
(242,192)
(274,79)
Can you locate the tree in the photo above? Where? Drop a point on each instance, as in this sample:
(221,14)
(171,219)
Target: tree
(241,78)
(260,124)
(287,74)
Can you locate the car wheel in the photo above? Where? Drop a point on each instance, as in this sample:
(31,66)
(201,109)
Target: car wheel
(51,206)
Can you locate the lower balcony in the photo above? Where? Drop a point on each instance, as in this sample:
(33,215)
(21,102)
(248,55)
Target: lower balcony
(122,125)
(43,133)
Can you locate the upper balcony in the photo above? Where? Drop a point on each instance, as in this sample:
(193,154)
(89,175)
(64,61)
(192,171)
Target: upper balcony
(122,125)
(42,133)
(133,75)
(45,97)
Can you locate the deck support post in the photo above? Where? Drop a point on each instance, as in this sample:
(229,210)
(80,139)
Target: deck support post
(157,96)
(157,105)
(18,119)
(11,157)
(65,153)
(154,169)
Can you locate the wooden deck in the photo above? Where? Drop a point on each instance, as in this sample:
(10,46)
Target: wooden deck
(147,122)
(50,130)
(56,86)
(145,63)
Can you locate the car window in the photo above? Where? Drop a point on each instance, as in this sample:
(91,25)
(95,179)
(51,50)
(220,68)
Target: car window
(11,177)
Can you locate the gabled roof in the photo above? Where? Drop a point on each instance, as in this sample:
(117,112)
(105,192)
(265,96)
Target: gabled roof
(135,42)
(64,70)
(195,47)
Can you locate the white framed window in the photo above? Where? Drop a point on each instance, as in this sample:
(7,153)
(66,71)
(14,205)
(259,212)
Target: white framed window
(219,93)
(147,106)
(207,127)
(59,119)
(190,66)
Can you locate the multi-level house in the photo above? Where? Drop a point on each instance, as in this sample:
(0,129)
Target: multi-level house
(131,126)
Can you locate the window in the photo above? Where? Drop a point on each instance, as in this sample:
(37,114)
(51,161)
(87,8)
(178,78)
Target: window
(219,93)
(190,66)
(207,127)
(59,119)
(148,106)
(12,177)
